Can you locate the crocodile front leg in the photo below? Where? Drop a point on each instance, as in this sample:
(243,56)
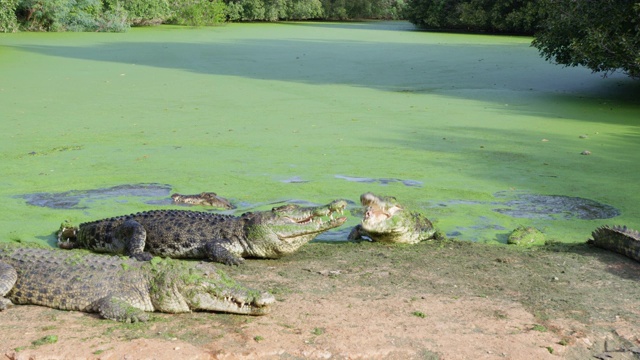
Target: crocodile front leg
(8,278)
(134,236)
(111,307)
(218,253)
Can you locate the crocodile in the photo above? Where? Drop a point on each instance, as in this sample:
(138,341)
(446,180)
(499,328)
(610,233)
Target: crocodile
(385,220)
(120,288)
(618,239)
(190,234)
(204,198)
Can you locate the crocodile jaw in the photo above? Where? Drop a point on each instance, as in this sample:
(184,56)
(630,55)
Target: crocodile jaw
(230,304)
(304,224)
(307,229)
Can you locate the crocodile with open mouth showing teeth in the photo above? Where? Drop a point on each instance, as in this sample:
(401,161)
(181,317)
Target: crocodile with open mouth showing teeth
(385,220)
(190,234)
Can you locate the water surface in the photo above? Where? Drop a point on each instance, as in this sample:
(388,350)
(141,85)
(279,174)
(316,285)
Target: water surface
(263,112)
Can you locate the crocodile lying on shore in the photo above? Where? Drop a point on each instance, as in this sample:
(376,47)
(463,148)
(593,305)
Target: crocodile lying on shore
(120,288)
(385,220)
(190,234)
(204,198)
(618,239)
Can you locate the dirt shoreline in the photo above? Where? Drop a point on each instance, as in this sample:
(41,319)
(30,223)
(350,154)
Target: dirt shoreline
(435,300)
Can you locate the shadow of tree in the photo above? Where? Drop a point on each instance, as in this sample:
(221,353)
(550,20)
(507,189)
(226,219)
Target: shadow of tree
(467,66)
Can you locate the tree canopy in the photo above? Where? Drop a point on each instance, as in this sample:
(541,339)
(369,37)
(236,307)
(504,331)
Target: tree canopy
(602,35)
(494,16)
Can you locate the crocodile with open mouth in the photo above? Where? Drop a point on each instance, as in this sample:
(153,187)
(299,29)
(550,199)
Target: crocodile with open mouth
(385,220)
(190,234)
(120,288)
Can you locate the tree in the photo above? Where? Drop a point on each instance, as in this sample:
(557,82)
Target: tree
(8,20)
(602,35)
(494,16)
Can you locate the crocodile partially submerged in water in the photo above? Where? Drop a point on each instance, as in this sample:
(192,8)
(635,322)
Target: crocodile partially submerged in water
(385,220)
(204,198)
(119,288)
(618,239)
(190,234)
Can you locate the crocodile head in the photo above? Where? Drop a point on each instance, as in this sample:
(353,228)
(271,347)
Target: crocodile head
(385,220)
(179,286)
(284,229)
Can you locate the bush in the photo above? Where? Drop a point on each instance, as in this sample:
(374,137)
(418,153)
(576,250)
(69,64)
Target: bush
(198,12)
(604,36)
(304,9)
(363,9)
(8,20)
(142,12)
(69,15)
(275,10)
(495,16)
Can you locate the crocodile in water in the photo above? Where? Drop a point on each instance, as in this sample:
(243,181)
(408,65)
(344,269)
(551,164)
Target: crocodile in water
(204,198)
(385,220)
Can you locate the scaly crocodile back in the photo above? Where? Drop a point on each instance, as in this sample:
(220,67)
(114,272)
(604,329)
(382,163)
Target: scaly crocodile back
(618,239)
(72,280)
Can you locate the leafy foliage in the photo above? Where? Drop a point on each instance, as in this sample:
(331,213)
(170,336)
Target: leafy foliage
(510,16)
(119,15)
(197,12)
(363,9)
(69,15)
(8,20)
(143,12)
(603,36)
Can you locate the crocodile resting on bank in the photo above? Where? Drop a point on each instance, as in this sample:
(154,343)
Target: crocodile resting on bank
(618,239)
(190,234)
(120,288)
(385,220)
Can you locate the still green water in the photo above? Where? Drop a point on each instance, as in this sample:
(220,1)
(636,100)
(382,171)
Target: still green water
(454,125)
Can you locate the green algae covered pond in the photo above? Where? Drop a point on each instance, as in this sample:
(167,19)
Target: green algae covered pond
(477,132)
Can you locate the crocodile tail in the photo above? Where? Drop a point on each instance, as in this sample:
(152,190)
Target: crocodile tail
(619,239)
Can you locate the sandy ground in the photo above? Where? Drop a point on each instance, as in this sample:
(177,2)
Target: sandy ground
(364,302)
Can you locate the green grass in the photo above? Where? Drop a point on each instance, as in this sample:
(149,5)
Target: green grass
(240,109)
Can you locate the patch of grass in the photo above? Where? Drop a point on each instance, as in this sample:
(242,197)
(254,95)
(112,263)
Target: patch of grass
(419,314)
(499,314)
(538,327)
(49,339)
(318,331)
(258,338)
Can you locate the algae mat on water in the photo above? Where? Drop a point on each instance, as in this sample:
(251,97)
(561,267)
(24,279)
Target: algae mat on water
(461,127)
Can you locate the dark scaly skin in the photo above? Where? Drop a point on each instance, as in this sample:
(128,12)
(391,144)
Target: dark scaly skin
(118,288)
(385,220)
(618,239)
(221,238)
(205,199)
